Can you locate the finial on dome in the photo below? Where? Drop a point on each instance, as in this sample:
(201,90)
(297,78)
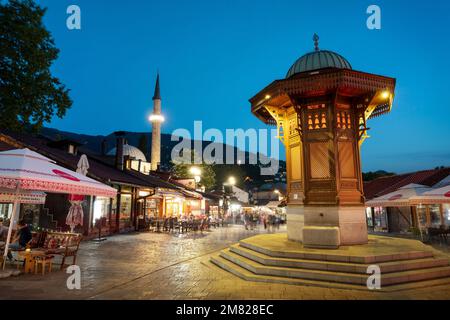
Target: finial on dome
(316,42)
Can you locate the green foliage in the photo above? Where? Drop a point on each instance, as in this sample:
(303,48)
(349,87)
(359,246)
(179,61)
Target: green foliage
(29,94)
(369,176)
(182,169)
(239,172)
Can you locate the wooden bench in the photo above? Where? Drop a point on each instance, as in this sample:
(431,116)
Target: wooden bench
(59,243)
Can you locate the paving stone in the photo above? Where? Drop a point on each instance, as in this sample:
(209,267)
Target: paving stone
(164,266)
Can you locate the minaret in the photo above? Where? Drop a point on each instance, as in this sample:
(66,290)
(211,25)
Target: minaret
(156,119)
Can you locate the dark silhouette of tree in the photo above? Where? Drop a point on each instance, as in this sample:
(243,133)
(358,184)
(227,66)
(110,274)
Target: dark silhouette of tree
(369,176)
(29,94)
(182,170)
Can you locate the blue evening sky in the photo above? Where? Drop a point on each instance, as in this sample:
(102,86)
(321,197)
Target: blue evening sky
(214,55)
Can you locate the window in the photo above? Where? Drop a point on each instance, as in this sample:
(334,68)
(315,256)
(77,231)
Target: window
(125,206)
(5,210)
(446,212)
(422,216)
(381,222)
(317,117)
(343,119)
(173,208)
(369,217)
(101,208)
(435,215)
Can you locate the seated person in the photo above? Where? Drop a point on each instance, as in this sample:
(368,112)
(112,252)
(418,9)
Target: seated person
(21,239)
(3,231)
(3,235)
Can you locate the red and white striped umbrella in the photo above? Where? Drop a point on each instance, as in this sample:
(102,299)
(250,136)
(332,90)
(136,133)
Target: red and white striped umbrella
(31,171)
(23,169)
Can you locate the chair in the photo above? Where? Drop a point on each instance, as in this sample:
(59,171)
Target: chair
(433,233)
(43,262)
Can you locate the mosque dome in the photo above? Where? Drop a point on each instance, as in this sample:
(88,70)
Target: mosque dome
(130,151)
(318,59)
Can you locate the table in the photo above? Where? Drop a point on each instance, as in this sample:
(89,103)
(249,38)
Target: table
(29,259)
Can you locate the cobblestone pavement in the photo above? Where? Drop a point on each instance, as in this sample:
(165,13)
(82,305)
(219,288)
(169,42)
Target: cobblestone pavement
(163,266)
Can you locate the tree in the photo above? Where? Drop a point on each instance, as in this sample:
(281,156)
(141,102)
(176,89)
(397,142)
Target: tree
(225,171)
(369,176)
(29,94)
(182,170)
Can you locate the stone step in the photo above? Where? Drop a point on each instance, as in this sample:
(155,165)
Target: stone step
(332,276)
(311,254)
(386,267)
(245,274)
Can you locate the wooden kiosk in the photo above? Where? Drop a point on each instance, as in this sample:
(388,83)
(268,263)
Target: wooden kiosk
(321,110)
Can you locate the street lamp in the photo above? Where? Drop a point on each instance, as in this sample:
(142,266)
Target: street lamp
(196,172)
(277,192)
(230,182)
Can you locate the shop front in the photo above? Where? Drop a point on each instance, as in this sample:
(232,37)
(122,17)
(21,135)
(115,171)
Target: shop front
(380,219)
(433,215)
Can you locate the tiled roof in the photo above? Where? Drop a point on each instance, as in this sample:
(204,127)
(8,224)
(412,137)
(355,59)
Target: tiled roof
(385,185)
(98,169)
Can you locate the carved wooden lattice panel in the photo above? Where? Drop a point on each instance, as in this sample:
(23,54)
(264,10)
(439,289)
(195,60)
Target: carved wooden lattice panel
(320,160)
(346,159)
(295,161)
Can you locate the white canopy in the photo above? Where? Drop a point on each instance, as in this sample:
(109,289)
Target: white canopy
(400,197)
(434,196)
(23,170)
(32,171)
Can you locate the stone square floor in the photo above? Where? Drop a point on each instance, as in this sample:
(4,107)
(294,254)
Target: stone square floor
(169,266)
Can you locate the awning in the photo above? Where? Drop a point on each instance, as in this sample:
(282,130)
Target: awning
(434,196)
(167,193)
(32,171)
(30,197)
(399,198)
(192,194)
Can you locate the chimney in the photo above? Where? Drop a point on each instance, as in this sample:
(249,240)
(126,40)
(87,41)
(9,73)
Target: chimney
(104,145)
(120,141)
